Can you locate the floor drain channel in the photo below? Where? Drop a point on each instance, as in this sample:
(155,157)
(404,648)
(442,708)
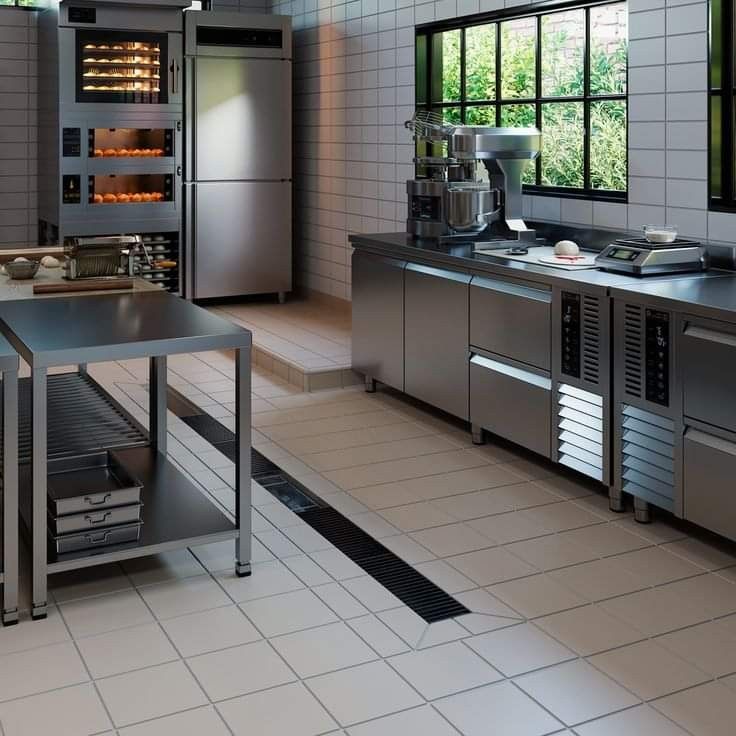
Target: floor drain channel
(409,586)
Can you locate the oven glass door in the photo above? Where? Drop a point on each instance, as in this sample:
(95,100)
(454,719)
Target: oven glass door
(122,66)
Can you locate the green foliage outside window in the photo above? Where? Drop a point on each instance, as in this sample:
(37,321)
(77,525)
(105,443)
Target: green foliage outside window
(562,75)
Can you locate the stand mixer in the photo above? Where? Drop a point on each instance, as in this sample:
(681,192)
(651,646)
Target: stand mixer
(452,194)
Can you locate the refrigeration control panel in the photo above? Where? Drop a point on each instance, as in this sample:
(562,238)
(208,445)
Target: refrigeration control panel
(570,334)
(657,357)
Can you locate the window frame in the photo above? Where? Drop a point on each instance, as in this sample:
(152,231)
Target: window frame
(726,92)
(428,77)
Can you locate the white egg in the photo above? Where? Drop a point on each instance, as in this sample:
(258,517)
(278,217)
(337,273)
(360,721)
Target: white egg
(566,248)
(50,262)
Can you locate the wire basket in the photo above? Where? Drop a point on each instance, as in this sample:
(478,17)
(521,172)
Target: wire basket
(429,125)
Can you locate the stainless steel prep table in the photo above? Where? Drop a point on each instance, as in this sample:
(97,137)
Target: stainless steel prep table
(69,414)
(9,363)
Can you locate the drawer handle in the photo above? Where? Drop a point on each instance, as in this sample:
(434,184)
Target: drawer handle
(100,519)
(105,499)
(512,372)
(439,273)
(506,287)
(715,443)
(703,333)
(97,538)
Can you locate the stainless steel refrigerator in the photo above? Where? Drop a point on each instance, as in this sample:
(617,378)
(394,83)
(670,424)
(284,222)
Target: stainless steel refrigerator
(238,153)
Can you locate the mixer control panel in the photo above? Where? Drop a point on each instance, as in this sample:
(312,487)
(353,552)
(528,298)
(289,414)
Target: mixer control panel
(570,334)
(425,207)
(657,357)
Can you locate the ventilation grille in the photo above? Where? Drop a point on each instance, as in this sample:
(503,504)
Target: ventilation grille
(633,351)
(591,339)
(580,438)
(648,456)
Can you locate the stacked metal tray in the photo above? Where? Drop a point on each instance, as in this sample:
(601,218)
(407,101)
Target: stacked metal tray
(93,501)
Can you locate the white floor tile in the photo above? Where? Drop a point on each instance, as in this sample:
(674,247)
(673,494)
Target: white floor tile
(126,649)
(28,634)
(340,601)
(282,614)
(307,570)
(150,693)
(287,710)
(415,631)
(72,711)
(207,631)
(510,711)
(537,595)
(489,566)
(166,566)
(340,566)
(40,669)
(575,692)
(444,576)
(444,670)
(708,646)
(364,692)
(88,582)
(706,710)
(371,593)
(197,722)
(179,597)
(268,578)
(518,649)
(424,721)
(240,670)
(324,649)
(640,720)
(377,635)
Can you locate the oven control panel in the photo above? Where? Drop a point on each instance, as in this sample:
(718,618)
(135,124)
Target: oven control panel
(657,357)
(570,334)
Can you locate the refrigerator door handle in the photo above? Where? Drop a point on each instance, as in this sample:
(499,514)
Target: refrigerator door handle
(174,68)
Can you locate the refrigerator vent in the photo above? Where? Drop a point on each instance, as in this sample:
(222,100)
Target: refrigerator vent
(580,439)
(633,350)
(648,456)
(591,339)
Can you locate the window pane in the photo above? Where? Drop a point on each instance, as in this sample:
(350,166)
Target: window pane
(480,62)
(562,144)
(608,145)
(716,42)
(485,115)
(446,66)
(518,116)
(518,62)
(716,146)
(451,115)
(563,44)
(608,49)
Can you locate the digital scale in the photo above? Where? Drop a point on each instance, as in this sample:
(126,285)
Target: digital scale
(639,257)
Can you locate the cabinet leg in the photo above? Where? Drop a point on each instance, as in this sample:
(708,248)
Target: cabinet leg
(39,611)
(370,385)
(243,570)
(642,514)
(243,500)
(477,433)
(10,618)
(616,500)
(39,502)
(282,297)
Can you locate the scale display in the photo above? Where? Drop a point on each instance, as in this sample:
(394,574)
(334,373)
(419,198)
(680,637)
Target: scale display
(622,254)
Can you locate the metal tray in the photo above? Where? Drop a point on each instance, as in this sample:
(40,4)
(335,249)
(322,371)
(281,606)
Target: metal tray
(90,482)
(97,538)
(97,519)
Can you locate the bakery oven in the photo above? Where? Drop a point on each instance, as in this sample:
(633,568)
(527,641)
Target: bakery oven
(110,120)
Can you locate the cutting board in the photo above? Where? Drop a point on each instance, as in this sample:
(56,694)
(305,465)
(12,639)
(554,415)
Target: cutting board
(71,287)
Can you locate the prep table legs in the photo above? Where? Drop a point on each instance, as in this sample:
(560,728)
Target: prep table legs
(157,405)
(38,483)
(10,497)
(242,461)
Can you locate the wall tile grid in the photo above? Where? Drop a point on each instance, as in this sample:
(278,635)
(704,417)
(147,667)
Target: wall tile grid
(17,127)
(353,89)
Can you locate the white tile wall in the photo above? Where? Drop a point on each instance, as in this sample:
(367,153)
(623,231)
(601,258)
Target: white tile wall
(354,87)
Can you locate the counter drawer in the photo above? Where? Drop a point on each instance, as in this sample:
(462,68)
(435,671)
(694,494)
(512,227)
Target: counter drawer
(710,482)
(708,355)
(511,319)
(512,403)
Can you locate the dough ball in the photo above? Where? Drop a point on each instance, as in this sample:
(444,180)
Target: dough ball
(566,248)
(50,262)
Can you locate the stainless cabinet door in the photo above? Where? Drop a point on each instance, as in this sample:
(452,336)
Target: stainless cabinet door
(512,320)
(241,242)
(378,318)
(436,343)
(709,480)
(242,119)
(512,403)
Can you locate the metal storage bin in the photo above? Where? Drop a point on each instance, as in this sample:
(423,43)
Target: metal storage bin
(98,519)
(98,538)
(90,483)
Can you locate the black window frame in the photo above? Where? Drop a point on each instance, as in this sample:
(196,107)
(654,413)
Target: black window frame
(726,200)
(427,77)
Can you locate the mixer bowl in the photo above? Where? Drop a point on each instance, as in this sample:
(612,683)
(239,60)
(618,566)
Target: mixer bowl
(22,269)
(470,207)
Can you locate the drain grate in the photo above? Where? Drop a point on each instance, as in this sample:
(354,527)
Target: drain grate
(409,586)
(397,576)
